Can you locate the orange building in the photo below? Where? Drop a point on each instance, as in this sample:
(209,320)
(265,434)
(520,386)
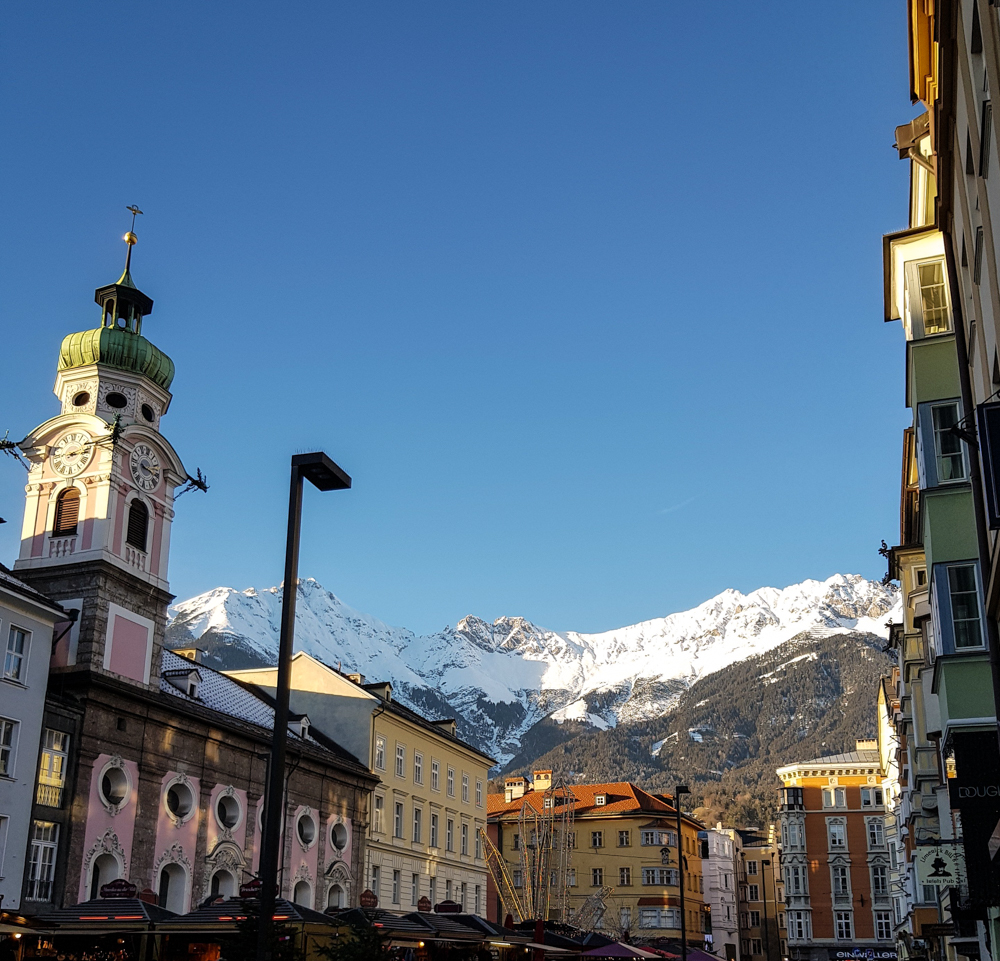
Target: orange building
(835,857)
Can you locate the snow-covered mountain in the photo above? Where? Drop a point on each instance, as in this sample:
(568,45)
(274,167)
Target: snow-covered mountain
(501,679)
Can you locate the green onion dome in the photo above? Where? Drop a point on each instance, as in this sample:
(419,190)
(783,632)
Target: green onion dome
(121,349)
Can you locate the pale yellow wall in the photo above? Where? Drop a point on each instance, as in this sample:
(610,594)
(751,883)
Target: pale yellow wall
(406,855)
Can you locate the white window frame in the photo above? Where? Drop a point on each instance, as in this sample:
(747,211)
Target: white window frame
(449,834)
(397,819)
(418,825)
(451,782)
(397,878)
(834,797)
(843,925)
(37,849)
(872,797)
(465,788)
(465,840)
(8,746)
(836,828)
(915,302)
(52,759)
(18,658)
(884,888)
(883,926)
(379,753)
(418,768)
(435,775)
(840,879)
(479,793)
(875,830)
(753,892)
(939,454)
(400,760)
(378,814)
(434,831)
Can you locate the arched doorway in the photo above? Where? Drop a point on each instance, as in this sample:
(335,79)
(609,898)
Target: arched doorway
(105,871)
(223,884)
(303,894)
(172,888)
(335,897)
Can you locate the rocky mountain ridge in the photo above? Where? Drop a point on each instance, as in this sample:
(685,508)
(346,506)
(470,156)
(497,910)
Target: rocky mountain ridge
(502,679)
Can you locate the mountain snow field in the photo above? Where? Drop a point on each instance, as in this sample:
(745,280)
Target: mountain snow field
(500,679)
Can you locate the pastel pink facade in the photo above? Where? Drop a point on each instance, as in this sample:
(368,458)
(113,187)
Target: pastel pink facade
(110,826)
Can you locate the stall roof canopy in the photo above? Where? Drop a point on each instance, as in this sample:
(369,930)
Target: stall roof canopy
(224,910)
(100,912)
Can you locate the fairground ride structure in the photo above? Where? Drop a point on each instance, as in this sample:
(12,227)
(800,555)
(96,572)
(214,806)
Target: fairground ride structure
(538,884)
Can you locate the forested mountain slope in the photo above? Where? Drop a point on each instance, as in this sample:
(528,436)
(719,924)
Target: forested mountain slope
(729,731)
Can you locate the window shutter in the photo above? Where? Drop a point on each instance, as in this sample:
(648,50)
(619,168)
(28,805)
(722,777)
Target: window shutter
(138,522)
(67,512)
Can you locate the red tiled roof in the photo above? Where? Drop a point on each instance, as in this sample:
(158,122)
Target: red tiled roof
(623,797)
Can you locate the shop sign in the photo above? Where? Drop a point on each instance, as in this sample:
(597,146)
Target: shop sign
(424,905)
(448,907)
(941,865)
(368,899)
(251,889)
(118,889)
(862,954)
(975,791)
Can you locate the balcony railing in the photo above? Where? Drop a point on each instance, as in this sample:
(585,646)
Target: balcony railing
(50,795)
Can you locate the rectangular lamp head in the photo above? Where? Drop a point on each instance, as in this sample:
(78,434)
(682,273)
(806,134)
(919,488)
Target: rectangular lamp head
(321,472)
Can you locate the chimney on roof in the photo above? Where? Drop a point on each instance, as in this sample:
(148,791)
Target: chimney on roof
(514,788)
(357,678)
(541,780)
(866,744)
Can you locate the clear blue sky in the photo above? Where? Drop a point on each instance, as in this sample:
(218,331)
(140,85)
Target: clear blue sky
(585,296)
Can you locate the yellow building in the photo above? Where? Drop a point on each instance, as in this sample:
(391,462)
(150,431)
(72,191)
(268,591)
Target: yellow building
(617,845)
(425,817)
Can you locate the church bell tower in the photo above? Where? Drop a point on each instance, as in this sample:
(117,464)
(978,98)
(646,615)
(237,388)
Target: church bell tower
(100,492)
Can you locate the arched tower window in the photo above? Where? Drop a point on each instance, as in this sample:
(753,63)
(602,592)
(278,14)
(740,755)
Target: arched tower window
(138,525)
(67,512)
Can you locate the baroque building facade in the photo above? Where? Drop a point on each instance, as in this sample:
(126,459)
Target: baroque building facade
(161,760)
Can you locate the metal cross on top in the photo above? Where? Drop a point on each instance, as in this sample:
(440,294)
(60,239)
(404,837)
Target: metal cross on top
(130,237)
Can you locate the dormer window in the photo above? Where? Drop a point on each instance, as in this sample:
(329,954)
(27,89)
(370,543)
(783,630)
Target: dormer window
(927,290)
(600,800)
(186,681)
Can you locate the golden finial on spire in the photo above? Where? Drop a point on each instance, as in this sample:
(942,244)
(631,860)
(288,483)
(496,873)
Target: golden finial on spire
(130,237)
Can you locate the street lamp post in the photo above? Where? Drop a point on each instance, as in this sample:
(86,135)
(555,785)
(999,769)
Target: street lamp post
(325,475)
(678,791)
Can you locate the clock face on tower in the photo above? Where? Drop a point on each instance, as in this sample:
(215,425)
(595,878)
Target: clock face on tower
(72,453)
(145,466)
